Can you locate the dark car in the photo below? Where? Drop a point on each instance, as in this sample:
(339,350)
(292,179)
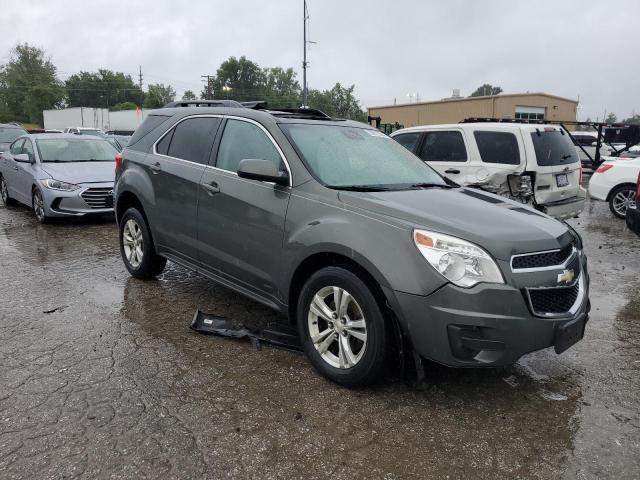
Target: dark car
(349,235)
(632,216)
(8,133)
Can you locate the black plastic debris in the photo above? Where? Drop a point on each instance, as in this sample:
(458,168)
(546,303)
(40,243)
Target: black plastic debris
(277,335)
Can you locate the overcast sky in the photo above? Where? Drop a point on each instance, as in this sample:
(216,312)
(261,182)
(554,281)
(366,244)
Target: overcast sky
(578,49)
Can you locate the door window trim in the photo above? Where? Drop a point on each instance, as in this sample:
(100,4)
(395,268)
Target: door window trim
(269,136)
(461,131)
(155,151)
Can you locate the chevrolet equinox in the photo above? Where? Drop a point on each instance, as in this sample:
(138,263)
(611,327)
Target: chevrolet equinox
(351,236)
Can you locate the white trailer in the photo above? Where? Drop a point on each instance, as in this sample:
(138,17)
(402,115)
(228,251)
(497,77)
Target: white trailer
(126,119)
(76,117)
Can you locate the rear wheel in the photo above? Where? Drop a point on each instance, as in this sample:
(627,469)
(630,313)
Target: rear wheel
(622,198)
(342,327)
(136,247)
(4,192)
(38,206)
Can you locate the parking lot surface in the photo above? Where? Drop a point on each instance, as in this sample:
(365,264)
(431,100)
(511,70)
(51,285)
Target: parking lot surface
(101,377)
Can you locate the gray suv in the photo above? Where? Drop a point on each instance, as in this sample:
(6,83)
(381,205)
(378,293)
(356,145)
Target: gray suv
(356,240)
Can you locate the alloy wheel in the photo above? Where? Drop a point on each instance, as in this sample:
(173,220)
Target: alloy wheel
(4,193)
(133,243)
(38,206)
(337,327)
(623,200)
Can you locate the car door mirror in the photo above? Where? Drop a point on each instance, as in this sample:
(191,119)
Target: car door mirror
(22,158)
(263,170)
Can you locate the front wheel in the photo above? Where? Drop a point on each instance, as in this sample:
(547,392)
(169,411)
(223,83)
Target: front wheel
(342,327)
(38,206)
(622,198)
(136,247)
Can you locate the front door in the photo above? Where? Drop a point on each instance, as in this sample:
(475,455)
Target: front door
(25,173)
(175,170)
(241,221)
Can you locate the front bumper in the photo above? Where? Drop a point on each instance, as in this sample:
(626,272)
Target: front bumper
(79,203)
(484,326)
(568,208)
(633,218)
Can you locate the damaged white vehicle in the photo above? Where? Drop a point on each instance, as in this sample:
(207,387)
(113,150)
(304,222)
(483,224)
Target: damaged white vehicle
(533,164)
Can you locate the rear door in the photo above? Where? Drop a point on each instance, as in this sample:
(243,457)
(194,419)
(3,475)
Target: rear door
(177,165)
(241,221)
(552,156)
(447,152)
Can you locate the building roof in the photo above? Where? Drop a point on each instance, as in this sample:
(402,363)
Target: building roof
(470,99)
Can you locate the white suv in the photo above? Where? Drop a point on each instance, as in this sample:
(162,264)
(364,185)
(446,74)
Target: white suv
(534,164)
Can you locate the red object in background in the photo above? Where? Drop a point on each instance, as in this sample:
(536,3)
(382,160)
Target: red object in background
(119,159)
(604,168)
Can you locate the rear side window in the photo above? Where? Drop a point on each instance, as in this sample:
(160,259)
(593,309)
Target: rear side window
(192,139)
(408,140)
(150,123)
(443,147)
(553,148)
(498,147)
(162,147)
(244,140)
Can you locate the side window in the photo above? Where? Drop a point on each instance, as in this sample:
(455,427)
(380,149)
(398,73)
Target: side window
(408,140)
(192,139)
(16,148)
(242,140)
(443,147)
(162,147)
(28,149)
(498,147)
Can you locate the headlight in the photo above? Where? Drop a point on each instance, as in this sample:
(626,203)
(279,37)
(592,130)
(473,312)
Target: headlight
(58,185)
(459,261)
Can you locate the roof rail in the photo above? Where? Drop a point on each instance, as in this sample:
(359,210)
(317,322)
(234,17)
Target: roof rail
(204,103)
(255,104)
(300,113)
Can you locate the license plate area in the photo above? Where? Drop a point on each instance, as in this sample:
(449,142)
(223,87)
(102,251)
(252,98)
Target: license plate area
(569,334)
(562,180)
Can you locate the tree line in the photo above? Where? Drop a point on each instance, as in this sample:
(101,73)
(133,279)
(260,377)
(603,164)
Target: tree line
(29,84)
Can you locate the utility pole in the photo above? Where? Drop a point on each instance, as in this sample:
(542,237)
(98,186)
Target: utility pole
(140,85)
(207,88)
(304,57)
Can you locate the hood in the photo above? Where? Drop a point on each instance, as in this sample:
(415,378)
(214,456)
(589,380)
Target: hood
(501,226)
(81,172)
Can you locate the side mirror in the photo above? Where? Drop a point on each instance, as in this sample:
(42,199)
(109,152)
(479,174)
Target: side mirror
(22,158)
(263,170)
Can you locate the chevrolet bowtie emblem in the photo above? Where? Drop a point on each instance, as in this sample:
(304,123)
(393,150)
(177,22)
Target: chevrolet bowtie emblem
(566,276)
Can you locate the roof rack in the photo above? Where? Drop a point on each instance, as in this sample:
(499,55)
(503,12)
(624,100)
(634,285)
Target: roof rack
(255,104)
(204,103)
(311,113)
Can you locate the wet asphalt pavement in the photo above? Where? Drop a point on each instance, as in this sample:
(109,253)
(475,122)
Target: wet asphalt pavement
(101,377)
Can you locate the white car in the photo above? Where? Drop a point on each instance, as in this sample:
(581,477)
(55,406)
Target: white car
(533,164)
(85,131)
(615,182)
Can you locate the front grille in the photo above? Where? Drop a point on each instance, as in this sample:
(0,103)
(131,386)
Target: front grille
(99,197)
(541,260)
(553,300)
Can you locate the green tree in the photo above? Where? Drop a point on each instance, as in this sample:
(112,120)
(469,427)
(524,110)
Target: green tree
(158,95)
(103,89)
(123,106)
(486,89)
(338,102)
(238,79)
(281,89)
(189,95)
(632,120)
(611,118)
(28,85)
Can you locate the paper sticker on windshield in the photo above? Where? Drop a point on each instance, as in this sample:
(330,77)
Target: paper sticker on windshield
(375,133)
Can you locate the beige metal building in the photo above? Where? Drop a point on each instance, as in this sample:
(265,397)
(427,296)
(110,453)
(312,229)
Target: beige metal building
(536,106)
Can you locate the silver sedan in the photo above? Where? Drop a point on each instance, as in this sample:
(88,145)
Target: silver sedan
(59,175)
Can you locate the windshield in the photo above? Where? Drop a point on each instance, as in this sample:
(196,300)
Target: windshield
(75,150)
(357,157)
(8,135)
(553,148)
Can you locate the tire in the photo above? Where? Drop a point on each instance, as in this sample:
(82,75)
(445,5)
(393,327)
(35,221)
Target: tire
(37,204)
(4,192)
(620,199)
(348,360)
(136,247)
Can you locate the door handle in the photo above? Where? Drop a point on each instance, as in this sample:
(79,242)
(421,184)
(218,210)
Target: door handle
(212,188)
(15,167)
(453,171)
(155,167)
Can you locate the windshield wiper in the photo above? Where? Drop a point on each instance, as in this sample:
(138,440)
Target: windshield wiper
(430,185)
(361,188)
(564,157)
